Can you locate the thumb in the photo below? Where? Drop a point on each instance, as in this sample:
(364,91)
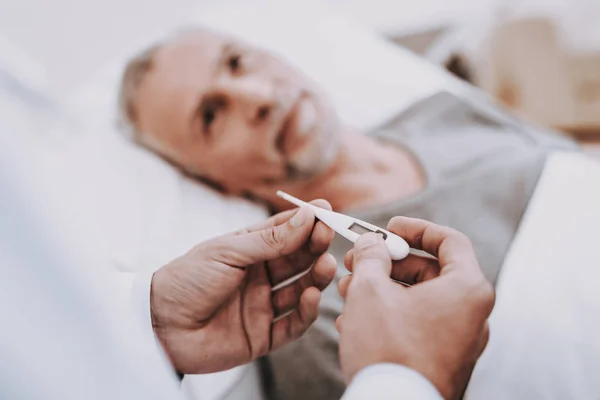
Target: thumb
(268,243)
(371,257)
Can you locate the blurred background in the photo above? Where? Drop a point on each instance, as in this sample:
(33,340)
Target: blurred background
(540,58)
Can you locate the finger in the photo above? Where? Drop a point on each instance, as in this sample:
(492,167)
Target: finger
(322,234)
(371,272)
(411,270)
(321,203)
(294,325)
(256,310)
(283,217)
(343,285)
(287,298)
(371,258)
(349,259)
(485,337)
(451,247)
(414,269)
(320,276)
(324,271)
(300,260)
(266,244)
(338,323)
(321,238)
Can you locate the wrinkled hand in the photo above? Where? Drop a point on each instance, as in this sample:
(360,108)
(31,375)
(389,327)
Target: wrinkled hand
(437,327)
(213,308)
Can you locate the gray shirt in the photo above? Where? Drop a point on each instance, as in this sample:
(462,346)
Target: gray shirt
(481,167)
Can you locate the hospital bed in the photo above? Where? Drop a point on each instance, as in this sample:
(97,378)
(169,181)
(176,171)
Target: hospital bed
(134,211)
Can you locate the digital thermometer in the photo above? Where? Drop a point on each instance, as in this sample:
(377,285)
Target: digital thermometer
(352,228)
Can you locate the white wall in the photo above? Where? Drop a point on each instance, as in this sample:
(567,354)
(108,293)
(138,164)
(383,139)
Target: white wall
(73,37)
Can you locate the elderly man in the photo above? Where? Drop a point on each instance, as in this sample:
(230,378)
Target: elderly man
(245,121)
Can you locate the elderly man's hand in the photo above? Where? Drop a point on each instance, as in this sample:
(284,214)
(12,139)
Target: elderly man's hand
(214,308)
(437,327)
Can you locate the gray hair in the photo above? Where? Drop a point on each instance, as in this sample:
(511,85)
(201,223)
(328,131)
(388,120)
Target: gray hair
(133,75)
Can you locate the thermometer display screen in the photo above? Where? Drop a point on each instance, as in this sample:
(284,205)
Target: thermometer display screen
(356,228)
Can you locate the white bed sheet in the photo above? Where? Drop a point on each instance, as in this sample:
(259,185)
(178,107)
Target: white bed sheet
(545,328)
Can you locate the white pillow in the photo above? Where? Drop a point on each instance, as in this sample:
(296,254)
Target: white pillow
(27,99)
(545,327)
(149,212)
(21,66)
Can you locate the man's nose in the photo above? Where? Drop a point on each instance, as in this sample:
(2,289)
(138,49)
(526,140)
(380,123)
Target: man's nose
(255,96)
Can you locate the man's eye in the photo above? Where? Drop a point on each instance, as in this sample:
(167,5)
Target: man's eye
(234,62)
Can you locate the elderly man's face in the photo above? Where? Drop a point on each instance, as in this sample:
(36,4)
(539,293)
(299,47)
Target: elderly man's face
(234,114)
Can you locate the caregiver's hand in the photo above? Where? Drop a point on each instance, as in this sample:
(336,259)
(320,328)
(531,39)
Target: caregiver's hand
(213,308)
(438,327)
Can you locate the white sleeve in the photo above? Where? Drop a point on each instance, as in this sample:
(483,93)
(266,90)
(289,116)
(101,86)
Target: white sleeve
(68,331)
(140,298)
(390,381)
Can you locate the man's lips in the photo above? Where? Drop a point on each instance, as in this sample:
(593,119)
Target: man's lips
(297,126)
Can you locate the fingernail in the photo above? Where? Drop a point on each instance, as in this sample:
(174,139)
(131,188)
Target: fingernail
(366,240)
(299,218)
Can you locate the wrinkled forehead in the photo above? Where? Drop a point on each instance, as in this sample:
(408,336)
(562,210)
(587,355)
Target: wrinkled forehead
(182,69)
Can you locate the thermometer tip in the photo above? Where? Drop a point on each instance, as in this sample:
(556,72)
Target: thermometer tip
(291,199)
